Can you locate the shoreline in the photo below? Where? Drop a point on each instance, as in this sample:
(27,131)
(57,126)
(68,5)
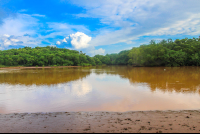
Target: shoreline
(186,121)
(37,67)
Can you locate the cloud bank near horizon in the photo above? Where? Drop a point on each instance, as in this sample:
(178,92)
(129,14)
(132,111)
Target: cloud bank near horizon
(100,27)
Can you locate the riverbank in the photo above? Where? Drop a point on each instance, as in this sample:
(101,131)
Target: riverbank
(36,67)
(186,121)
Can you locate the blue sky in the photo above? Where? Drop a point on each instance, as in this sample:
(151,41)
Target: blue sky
(96,27)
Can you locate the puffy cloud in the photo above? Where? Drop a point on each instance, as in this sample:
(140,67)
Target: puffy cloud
(62,29)
(123,22)
(64,40)
(80,40)
(14,40)
(58,42)
(92,51)
(6,35)
(7,40)
(25,30)
(19,25)
(14,29)
(99,51)
(11,40)
(135,18)
(191,26)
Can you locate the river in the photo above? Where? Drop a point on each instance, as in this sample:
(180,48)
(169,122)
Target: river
(103,88)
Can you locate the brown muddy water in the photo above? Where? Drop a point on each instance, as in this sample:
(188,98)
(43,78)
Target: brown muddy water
(108,88)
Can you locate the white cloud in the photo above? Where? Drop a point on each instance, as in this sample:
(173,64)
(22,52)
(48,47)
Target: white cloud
(14,40)
(136,18)
(92,51)
(80,40)
(58,42)
(7,42)
(6,35)
(117,12)
(123,22)
(113,37)
(38,15)
(64,40)
(62,29)
(13,29)
(129,42)
(19,25)
(189,26)
(99,51)
(52,45)
(66,29)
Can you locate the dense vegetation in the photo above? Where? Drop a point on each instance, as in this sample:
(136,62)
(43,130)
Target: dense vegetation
(46,56)
(184,52)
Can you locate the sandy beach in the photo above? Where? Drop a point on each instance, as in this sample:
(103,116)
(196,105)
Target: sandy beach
(92,122)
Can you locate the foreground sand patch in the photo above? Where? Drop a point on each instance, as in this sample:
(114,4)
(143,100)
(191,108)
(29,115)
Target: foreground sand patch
(141,121)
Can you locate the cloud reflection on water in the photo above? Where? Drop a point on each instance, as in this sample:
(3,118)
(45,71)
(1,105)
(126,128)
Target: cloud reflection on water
(105,89)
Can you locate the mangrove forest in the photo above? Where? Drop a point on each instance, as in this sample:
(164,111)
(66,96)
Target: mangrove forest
(181,52)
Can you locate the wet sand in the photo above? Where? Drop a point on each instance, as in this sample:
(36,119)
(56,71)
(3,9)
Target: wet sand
(92,122)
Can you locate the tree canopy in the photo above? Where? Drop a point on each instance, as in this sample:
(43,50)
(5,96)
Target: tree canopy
(45,56)
(184,52)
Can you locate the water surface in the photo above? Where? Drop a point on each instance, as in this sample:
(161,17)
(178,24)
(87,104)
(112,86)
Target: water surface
(107,88)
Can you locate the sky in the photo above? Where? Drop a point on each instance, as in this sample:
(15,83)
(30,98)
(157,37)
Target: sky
(96,26)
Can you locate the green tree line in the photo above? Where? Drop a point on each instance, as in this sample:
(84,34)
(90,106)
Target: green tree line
(184,52)
(46,56)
